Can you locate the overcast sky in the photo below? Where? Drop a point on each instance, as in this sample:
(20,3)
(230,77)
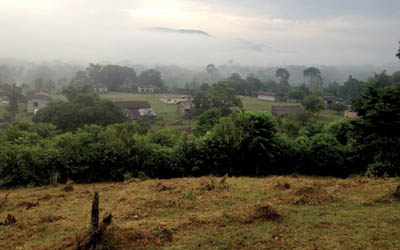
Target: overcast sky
(198,32)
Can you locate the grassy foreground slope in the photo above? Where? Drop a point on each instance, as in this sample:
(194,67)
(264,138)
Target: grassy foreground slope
(210,213)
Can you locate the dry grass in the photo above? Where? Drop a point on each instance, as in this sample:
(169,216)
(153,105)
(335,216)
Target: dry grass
(210,213)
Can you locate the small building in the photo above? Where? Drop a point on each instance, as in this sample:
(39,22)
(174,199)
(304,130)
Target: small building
(37,101)
(271,97)
(285,110)
(135,110)
(146,89)
(174,100)
(100,89)
(185,108)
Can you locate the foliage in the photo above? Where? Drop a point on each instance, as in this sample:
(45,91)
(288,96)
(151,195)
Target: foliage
(297,94)
(220,96)
(76,88)
(398,53)
(112,76)
(376,131)
(314,104)
(314,78)
(83,110)
(282,74)
(14,94)
(291,127)
(339,107)
(151,77)
(207,120)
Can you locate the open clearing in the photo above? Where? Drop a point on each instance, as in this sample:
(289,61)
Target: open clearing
(209,213)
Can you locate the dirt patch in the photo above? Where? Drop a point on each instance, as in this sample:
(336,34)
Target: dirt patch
(396,193)
(69,186)
(4,201)
(45,198)
(313,195)
(282,186)
(10,220)
(138,238)
(28,204)
(211,183)
(255,213)
(161,187)
(50,219)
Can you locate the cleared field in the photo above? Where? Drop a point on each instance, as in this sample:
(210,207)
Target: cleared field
(290,212)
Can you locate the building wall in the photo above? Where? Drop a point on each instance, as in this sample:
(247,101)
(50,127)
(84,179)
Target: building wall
(266,98)
(35,104)
(149,111)
(145,90)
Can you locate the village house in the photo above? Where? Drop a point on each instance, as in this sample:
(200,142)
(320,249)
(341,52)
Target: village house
(285,110)
(185,108)
(135,110)
(146,89)
(271,97)
(100,89)
(37,101)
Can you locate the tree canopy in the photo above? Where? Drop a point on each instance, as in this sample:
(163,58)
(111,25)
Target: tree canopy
(219,96)
(282,74)
(84,109)
(314,104)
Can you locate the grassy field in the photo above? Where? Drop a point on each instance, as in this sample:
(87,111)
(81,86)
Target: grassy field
(291,212)
(168,114)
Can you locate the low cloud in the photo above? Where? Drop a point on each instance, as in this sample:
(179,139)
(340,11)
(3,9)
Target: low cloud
(179,31)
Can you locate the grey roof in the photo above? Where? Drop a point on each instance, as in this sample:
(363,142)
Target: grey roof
(270,94)
(40,96)
(284,110)
(134,104)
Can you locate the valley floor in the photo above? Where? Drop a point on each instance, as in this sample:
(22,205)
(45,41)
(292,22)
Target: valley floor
(288,212)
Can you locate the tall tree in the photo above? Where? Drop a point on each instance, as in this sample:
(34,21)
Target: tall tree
(376,132)
(398,53)
(313,75)
(282,74)
(14,94)
(351,88)
(151,77)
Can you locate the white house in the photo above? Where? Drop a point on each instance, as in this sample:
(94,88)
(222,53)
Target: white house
(146,89)
(38,101)
(134,110)
(270,96)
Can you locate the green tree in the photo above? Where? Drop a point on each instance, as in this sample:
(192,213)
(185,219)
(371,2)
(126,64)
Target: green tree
(282,74)
(151,77)
(297,94)
(222,97)
(207,120)
(314,104)
(338,107)
(376,132)
(14,94)
(313,75)
(76,88)
(84,109)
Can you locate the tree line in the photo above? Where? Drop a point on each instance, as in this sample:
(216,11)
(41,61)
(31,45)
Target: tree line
(240,144)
